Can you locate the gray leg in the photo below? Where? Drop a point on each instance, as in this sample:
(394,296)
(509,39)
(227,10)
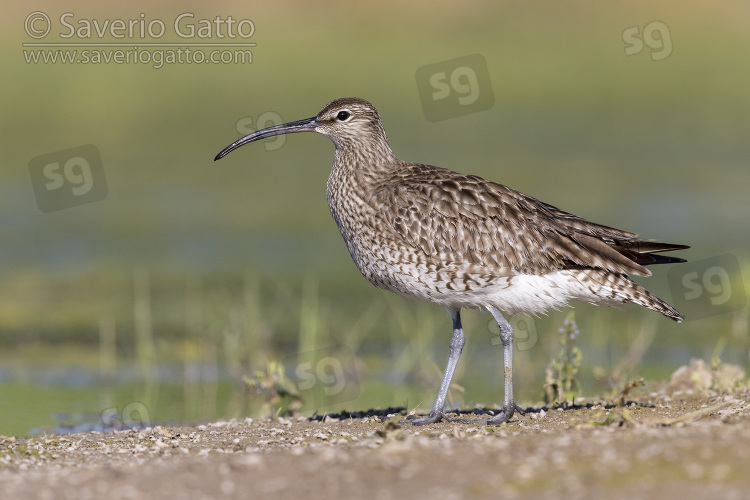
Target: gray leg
(506,337)
(456,346)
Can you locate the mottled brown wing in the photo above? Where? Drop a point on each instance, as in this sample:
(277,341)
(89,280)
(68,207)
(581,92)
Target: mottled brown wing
(462,219)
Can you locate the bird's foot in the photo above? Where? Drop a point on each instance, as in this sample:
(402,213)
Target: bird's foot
(505,414)
(432,418)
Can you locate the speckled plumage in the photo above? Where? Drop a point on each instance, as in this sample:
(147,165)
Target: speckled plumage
(461,241)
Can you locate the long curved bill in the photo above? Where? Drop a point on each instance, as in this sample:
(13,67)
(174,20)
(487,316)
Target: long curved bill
(306,125)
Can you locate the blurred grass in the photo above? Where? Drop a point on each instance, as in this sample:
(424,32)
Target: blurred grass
(208,335)
(242,259)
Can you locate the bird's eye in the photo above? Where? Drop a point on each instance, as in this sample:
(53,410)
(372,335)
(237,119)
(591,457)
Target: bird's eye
(342,116)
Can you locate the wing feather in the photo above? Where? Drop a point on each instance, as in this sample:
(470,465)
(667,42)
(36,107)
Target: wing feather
(466,220)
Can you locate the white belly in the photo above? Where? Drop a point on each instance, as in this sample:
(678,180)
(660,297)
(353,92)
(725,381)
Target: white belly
(529,294)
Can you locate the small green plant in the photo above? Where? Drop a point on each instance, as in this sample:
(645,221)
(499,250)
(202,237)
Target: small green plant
(281,396)
(561,385)
(620,414)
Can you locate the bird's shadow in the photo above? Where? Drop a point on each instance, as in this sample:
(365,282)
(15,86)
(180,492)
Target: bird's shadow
(387,413)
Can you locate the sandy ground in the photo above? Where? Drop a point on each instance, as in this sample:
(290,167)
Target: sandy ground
(663,444)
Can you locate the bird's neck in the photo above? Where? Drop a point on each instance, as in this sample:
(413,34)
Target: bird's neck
(365,160)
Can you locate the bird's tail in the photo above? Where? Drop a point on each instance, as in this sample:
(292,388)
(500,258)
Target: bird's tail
(643,252)
(616,288)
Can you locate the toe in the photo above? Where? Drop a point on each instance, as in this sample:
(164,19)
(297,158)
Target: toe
(429,419)
(505,414)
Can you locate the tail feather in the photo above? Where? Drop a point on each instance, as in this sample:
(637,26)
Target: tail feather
(618,288)
(656,304)
(643,252)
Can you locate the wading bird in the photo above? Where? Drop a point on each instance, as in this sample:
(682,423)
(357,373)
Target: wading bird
(461,241)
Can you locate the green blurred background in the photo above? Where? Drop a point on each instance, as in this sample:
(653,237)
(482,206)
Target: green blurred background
(190,275)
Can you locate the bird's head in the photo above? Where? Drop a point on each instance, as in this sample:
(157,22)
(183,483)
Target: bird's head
(349,122)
